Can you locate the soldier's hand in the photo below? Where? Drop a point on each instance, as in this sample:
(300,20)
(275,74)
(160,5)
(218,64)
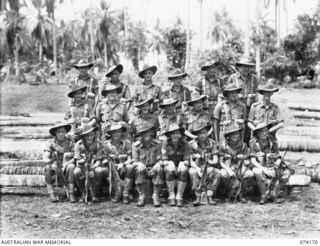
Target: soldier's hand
(81,162)
(239,121)
(251,95)
(240,157)
(267,171)
(196,156)
(230,172)
(199,172)
(91,174)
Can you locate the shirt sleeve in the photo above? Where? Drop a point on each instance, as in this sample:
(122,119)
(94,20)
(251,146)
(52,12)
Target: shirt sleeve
(186,156)
(164,151)
(199,87)
(251,114)
(135,152)
(216,111)
(77,151)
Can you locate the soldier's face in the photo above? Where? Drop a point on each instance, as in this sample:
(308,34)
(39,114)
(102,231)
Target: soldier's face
(211,72)
(90,137)
(77,95)
(115,75)
(147,136)
(232,95)
(170,109)
(175,136)
(148,75)
(145,108)
(267,95)
(61,133)
(244,69)
(197,106)
(263,133)
(83,70)
(202,135)
(116,135)
(177,81)
(235,136)
(112,96)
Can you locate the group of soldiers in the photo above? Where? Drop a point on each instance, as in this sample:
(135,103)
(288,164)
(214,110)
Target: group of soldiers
(217,135)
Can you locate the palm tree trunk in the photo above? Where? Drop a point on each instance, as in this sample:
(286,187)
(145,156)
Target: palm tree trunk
(91,32)
(54,46)
(188,38)
(40,52)
(201,24)
(247,35)
(258,61)
(16,57)
(105,55)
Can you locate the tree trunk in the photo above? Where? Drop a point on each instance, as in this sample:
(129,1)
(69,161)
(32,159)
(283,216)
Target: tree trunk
(54,46)
(247,33)
(258,61)
(40,52)
(188,39)
(91,32)
(105,55)
(16,57)
(201,24)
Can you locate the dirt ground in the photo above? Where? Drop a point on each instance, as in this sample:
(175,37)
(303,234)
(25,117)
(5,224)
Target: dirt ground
(34,216)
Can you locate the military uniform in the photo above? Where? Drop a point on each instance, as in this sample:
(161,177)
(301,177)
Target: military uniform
(181,93)
(76,111)
(165,120)
(85,80)
(143,92)
(142,119)
(191,118)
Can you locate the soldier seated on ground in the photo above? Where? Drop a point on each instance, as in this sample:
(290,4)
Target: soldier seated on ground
(118,151)
(234,160)
(89,173)
(204,173)
(175,156)
(266,159)
(58,155)
(146,157)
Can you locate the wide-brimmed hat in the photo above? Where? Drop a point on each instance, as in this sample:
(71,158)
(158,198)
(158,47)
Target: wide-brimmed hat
(110,87)
(245,63)
(86,128)
(172,128)
(58,125)
(261,126)
(76,88)
(168,102)
(144,128)
(233,128)
(117,126)
(145,68)
(209,65)
(177,74)
(230,88)
(82,63)
(268,87)
(195,97)
(142,102)
(118,67)
(198,126)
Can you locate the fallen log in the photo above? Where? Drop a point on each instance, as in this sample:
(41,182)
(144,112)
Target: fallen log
(22,170)
(313,172)
(22,163)
(299,180)
(22,149)
(298,143)
(307,115)
(27,132)
(304,107)
(22,180)
(313,132)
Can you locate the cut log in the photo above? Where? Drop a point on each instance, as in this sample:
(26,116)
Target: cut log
(299,180)
(313,172)
(41,119)
(21,170)
(313,132)
(27,149)
(22,163)
(39,132)
(304,107)
(298,143)
(307,115)
(25,123)
(22,180)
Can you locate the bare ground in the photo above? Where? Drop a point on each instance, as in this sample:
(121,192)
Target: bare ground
(34,216)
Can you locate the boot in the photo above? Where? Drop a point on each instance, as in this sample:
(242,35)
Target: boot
(242,199)
(179,197)
(53,197)
(171,196)
(141,200)
(262,189)
(155,195)
(210,199)
(263,200)
(82,198)
(197,202)
(71,193)
(94,195)
(127,186)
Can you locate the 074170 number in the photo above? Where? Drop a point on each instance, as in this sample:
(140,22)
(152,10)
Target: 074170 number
(309,242)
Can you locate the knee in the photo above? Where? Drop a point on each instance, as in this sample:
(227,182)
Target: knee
(140,167)
(170,168)
(192,172)
(77,172)
(70,167)
(224,174)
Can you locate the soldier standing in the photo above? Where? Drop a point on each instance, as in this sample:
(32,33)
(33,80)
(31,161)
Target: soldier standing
(265,158)
(147,89)
(228,112)
(178,91)
(210,85)
(169,115)
(231,154)
(203,161)
(58,155)
(89,173)
(175,156)
(146,156)
(118,150)
(265,110)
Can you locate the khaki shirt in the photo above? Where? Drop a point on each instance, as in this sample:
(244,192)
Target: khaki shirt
(85,81)
(124,148)
(144,92)
(259,113)
(211,88)
(55,148)
(78,111)
(143,119)
(166,120)
(181,93)
(210,149)
(249,85)
(107,113)
(125,91)
(190,118)
(94,151)
(148,155)
(240,148)
(224,111)
(175,153)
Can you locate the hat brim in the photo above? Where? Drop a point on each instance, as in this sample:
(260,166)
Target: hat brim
(178,76)
(206,67)
(119,68)
(255,131)
(139,105)
(152,68)
(201,98)
(104,92)
(151,128)
(168,133)
(261,91)
(225,92)
(71,93)
(200,129)
(88,131)
(122,128)
(169,104)
(88,65)
(245,64)
(233,131)
(53,129)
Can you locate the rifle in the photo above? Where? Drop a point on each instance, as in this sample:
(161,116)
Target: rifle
(60,174)
(203,185)
(88,185)
(238,178)
(275,179)
(115,182)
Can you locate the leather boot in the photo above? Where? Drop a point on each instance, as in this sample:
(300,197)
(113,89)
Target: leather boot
(262,189)
(141,200)
(82,198)
(197,202)
(94,195)
(210,199)
(171,196)
(179,197)
(155,195)
(71,193)
(263,200)
(53,197)
(127,186)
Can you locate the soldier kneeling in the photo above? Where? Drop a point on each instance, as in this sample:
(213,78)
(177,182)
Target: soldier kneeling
(266,160)
(175,156)
(89,172)
(146,155)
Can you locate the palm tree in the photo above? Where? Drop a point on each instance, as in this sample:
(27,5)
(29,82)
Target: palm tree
(201,24)
(157,42)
